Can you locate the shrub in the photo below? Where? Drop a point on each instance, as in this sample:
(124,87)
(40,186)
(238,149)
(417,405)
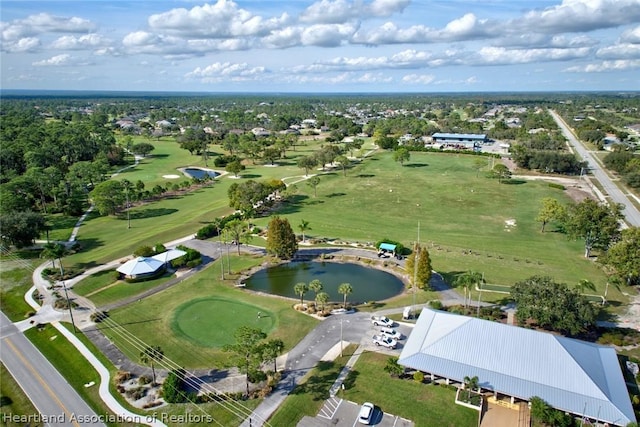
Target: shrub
(144,380)
(435,304)
(418,377)
(144,251)
(558,186)
(122,376)
(136,393)
(222,161)
(99,316)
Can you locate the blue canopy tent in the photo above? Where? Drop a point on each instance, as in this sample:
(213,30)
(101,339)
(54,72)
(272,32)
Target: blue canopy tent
(388,247)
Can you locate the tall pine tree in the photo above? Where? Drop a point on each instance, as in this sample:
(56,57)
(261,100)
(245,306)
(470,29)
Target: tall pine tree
(281,240)
(420,273)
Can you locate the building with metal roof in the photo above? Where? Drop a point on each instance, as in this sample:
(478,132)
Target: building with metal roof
(466,139)
(574,376)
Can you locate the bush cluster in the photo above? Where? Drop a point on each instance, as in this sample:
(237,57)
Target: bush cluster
(191,259)
(213,229)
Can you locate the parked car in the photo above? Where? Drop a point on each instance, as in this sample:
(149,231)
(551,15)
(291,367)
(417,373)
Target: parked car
(384,341)
(366,413)
(382,321)
(391,333)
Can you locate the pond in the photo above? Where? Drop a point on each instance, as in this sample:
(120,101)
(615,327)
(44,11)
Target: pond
(368,284)
(200,173)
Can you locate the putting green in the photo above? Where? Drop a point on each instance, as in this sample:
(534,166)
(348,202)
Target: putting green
(211,322)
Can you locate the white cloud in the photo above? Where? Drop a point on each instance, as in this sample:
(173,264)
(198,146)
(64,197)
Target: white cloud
(341,11)
(283,38)
(54,61)
(579,15)
(500,56)
(70,42)
(467,27)
(620,51)
(222,19)
(226,71)
(327,35)
(418,79)
(631,36)
(43,23)
(25,44)
(618,65)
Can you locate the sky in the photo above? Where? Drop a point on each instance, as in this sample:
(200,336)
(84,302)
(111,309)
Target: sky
(321,46)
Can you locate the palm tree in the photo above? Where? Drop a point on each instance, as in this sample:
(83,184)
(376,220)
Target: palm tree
(315,285)
(149,355)
(53,251)
(470,383)
(304,226)
(466,280)
(322,298)
(585,284)
(345,289)
(300,288)
(393,368)
(313,182)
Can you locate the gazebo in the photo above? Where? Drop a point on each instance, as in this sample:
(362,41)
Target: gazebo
(140,267)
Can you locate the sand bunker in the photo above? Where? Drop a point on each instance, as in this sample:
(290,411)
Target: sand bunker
(171,176)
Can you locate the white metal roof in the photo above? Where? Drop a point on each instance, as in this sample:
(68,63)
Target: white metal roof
(169,255)
(140,265)
(571,375)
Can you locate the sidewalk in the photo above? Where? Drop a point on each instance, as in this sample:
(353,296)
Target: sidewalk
(335,388)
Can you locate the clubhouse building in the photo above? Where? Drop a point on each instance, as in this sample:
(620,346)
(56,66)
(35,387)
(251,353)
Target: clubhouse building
(466,140)
(515,363)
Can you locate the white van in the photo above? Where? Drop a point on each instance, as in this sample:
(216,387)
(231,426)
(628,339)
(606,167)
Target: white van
(406,313)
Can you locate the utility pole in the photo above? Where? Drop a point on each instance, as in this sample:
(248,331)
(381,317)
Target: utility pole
(480,295)
(126,191)
(415,270)
(221,262)
(66,294)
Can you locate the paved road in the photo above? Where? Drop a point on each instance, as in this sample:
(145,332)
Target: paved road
(56,401)
(631,213)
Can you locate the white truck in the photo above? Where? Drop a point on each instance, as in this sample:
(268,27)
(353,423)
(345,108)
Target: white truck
(382,321)
(381,340)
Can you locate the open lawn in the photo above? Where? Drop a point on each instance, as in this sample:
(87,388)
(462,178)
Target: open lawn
(426,405)
(116,290)
(152,319)
(468,222)
(207,321)
(15,280)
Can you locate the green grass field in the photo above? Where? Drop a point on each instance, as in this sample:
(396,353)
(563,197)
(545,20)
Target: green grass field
(152,319)
(425,405)
(207,321)
(464,219)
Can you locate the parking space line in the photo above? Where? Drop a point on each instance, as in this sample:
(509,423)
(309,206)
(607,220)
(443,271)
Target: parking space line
(330,408)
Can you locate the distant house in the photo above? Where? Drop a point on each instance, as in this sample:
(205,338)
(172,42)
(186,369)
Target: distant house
(259,131)
(609,142)
(467,140)
(574,376)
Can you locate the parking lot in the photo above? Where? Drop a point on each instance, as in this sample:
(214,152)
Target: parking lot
(338,412)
